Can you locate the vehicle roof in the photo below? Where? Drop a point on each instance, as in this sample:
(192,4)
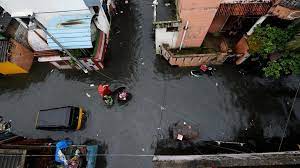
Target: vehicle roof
(54,117)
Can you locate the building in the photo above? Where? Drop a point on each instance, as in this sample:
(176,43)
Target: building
(66,33)
(14,57)
(12,158)
(258,160)
(222,22)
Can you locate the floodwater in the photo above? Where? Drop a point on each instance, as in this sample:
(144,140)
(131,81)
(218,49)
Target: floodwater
(223,106)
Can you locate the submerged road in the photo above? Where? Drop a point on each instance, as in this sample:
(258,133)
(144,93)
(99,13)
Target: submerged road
(223,106)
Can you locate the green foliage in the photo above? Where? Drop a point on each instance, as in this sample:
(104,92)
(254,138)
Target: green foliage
(288,64)
(273,70)
(267,40)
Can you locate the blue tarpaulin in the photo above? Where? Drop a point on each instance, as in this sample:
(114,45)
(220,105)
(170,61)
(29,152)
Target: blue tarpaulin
(91,155)
(72,30)
(63,144)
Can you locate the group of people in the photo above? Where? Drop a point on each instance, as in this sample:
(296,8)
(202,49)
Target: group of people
(107,94)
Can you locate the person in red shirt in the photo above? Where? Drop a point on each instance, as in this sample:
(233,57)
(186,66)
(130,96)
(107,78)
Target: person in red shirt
(104,90)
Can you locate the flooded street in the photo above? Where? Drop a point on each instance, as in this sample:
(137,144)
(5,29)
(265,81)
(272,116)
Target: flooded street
(223,107)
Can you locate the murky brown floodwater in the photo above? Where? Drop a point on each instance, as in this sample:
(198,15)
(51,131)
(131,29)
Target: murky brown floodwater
(162,95)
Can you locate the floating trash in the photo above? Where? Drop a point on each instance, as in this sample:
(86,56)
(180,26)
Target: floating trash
(88,95)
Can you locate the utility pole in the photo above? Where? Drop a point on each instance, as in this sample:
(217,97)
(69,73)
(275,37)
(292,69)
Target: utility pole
(155,3)
(81,66)
(184,33)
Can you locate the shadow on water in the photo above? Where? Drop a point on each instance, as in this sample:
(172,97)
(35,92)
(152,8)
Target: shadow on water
(163,69)
(38,73)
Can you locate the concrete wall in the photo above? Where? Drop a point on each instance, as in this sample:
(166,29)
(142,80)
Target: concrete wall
(192,59)
(200,14)
(272,159)
(164,37)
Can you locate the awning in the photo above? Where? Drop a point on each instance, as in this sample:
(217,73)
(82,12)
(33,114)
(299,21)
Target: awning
(72,30)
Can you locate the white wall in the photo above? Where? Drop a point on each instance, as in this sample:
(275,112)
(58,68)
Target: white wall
(164,37)
(37,6)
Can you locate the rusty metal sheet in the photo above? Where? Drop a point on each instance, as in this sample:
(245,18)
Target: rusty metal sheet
(4,46)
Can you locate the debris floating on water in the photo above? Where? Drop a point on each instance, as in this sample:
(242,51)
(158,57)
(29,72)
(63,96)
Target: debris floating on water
(179,137)
(88,95)
(143,149)
(143,63)
(217,84)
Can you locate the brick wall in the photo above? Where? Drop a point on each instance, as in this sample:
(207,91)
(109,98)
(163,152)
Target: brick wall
(200,14)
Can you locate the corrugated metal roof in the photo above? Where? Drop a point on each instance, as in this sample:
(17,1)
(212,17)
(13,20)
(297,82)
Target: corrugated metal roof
(90,3)
(4,45)
(293,4)
(72,31)
(245,9)
(4,20)
(12,158)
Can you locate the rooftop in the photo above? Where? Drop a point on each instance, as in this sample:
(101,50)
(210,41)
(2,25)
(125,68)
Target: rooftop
(287,159)
(293,4)
(15,159)
(242,9)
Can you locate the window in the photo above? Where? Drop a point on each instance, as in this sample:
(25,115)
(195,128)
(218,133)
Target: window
(172,29)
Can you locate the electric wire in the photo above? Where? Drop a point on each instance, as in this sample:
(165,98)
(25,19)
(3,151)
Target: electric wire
(289,117)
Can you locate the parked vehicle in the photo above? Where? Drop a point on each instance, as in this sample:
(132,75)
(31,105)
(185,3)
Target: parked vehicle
(61,118)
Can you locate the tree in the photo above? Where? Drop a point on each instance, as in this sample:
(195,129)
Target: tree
(267,40)
(288,64)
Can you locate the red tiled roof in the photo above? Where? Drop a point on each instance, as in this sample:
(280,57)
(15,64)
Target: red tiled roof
(246,9)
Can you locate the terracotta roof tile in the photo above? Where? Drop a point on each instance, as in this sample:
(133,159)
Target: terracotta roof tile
(238,9)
